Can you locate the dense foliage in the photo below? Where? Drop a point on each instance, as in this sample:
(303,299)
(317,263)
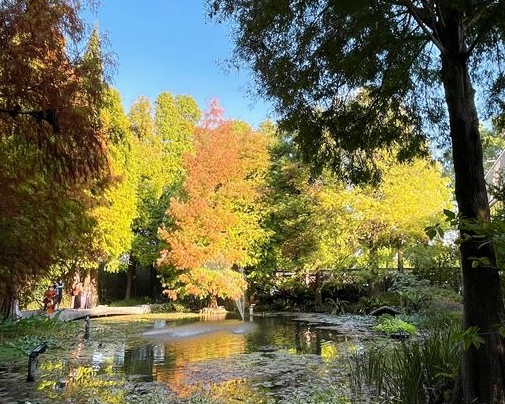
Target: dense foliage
(51,139)
(234,204)
(351,77)
(220,210)
(217,218)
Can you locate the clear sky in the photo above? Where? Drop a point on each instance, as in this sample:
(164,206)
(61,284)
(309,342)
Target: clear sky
(169,45)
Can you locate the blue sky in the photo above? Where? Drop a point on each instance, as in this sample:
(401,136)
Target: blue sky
(169,45)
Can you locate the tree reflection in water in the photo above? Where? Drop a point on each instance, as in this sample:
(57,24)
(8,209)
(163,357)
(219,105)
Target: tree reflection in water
(120,364)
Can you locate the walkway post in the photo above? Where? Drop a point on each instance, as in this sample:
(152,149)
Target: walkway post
(33,360)
(87,328)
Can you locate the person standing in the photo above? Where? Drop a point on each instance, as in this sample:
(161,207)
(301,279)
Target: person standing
(49,296)
(77,294)
(58,286)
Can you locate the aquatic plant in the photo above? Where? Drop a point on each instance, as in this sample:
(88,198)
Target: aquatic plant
(19,338)
(413,372)
(389,325)
(330,395)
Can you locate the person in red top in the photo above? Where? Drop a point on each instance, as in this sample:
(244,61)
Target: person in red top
(49,295)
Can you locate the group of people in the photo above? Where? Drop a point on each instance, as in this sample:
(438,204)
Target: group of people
(54,294)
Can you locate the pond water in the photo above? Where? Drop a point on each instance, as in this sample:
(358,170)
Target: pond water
(151,359)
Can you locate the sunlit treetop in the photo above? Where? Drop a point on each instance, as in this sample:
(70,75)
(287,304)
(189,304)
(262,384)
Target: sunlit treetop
(312,56)
(49,93)
(217,220)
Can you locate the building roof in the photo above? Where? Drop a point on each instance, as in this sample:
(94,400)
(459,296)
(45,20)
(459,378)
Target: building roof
(493,175)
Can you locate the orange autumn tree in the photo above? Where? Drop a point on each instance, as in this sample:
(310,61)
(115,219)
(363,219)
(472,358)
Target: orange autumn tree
(216,221)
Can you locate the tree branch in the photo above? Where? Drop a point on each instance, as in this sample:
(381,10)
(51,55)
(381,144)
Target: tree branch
(48,115)
(424,23)
(472,21)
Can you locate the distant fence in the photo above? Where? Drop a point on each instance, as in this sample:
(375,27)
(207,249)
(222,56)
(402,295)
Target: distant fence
(442,276)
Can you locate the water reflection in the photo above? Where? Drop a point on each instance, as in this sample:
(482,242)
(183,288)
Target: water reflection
(230,358)
(139,361)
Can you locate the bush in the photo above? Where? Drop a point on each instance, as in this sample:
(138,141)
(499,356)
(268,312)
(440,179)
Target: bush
(437,317)
(336,306)
(416,294)
(367,304)
(449,277)
(131,302)
(168,307)
(350,292)
(389,325)
(289,293)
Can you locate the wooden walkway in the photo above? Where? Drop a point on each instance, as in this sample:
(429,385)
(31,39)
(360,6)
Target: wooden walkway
(99,311)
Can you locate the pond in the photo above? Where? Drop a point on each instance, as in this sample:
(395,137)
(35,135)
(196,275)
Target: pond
(150,359)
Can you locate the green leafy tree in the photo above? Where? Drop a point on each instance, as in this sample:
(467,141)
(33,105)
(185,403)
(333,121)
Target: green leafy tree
(114,216)
(320,223)
(493,144)
(145,247)
(396,211)
(163,134)
(435,261)
(418,59)
(175,120)
(310,218)
(80,250)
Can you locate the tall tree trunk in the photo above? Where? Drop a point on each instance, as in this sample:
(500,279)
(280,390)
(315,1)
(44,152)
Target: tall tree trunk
(8,301)
(399,255)
(130,274)
(93,278)
(86,290)
(481,371)
(153,284)
(318,286)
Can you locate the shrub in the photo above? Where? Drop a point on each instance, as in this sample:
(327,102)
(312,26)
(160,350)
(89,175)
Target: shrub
(336,306)
(131,302)
(350,292)
(367,304)
(389,325)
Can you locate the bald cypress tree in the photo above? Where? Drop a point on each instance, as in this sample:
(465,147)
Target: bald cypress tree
(51,139)
(418,58)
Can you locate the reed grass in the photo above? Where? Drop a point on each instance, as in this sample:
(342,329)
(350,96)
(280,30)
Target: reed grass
(411,372)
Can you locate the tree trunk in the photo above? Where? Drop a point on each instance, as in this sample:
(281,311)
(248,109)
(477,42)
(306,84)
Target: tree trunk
(86,291)
(7,304)
(153,284)
(399,256)
(481,371)
(93,289)
(318,286)
(130,274)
